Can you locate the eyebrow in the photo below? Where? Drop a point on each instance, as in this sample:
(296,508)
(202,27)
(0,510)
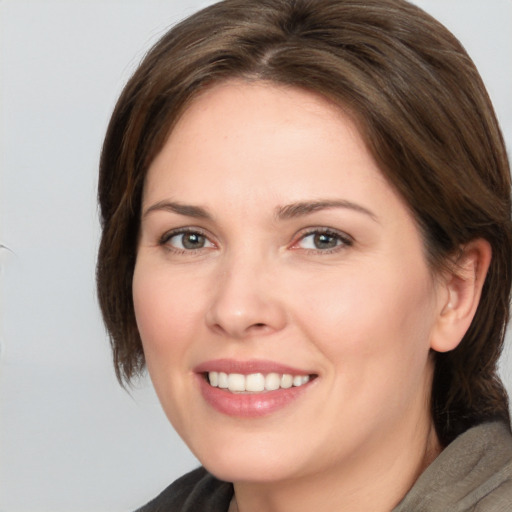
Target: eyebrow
(179,208)
(286,212)
(299,209)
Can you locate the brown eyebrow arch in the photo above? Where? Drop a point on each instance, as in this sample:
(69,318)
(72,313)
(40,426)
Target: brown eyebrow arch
(179,208)
(306,207)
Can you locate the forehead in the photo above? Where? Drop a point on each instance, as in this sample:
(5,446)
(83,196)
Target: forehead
(255,131)
(251,104)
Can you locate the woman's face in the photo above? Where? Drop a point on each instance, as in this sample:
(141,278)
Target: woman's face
(275,259)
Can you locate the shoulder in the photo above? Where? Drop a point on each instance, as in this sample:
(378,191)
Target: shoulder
(193,492)
(472,474)
(498,500)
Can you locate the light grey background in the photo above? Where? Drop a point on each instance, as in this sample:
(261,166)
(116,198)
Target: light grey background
(70,439)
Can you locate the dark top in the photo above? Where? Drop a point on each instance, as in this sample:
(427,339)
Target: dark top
(472,474)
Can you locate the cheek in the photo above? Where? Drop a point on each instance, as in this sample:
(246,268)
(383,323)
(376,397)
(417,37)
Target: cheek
(167,314)
(166,309)
(376,316)
(375,334)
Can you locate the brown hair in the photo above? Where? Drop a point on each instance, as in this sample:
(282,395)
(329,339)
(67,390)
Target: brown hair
(422,109)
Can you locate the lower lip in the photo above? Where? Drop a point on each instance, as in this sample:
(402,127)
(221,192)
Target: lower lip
(249,405)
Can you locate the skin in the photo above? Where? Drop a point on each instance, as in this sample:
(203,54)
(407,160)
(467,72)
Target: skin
(362,315)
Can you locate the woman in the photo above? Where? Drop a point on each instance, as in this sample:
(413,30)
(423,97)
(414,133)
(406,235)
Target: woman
(306,238)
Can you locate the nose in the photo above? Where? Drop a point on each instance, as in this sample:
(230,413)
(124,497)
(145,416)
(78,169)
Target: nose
(246,301)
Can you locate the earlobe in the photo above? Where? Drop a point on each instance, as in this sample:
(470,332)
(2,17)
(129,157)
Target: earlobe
(462,287)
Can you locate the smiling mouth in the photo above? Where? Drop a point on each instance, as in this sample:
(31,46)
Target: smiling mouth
(255,382)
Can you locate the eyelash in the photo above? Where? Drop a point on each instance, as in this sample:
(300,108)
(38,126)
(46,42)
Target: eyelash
(166,237)
(343,240)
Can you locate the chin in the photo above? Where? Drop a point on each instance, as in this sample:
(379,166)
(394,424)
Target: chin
(241,462)
(248,471)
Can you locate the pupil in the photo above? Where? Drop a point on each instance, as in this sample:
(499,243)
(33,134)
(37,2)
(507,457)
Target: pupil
(193,241)
(323,241)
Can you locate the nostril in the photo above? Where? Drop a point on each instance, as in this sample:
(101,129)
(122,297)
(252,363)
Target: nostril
(258,327)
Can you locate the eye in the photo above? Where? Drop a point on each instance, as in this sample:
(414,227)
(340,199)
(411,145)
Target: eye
(323,240)
(186,240)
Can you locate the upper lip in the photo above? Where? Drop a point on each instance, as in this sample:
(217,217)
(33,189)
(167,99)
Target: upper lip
(248,367)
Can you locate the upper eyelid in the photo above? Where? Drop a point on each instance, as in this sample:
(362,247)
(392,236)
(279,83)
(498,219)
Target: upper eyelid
(167,235)
(322,229)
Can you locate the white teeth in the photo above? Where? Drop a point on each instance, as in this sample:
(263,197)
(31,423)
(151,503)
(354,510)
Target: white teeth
(297,381)
(223,380)
(255,382)
(214,379)
(286,381)
(305,379)
(272,381)
(236,382)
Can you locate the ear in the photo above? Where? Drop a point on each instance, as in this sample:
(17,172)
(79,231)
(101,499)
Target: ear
(460,291)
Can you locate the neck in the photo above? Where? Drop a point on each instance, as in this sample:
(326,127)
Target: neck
(370,478)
